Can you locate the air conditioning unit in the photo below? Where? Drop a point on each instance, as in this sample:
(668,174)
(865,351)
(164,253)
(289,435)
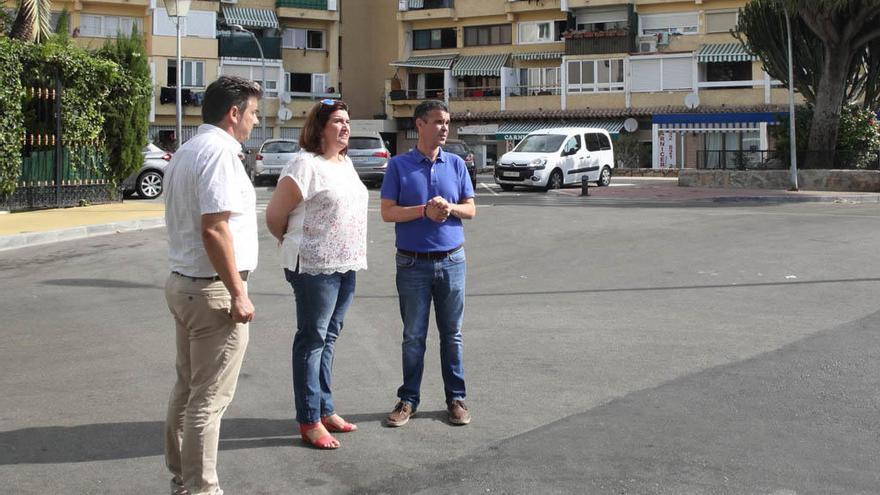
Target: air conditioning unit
(647,44)
(663,39)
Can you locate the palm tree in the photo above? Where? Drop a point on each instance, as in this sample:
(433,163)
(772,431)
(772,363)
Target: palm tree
(32,22)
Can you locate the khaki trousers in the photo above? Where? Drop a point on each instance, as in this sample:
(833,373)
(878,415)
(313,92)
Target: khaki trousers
(210,349)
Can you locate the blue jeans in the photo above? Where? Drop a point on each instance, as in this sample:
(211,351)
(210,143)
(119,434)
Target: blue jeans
(321,303)
(419,281)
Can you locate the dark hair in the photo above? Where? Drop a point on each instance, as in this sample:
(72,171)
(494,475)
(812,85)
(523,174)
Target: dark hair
(227,92)
(310,136)
(425,107)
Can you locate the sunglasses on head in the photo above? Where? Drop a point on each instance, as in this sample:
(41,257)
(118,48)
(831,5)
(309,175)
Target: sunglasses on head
(328,101)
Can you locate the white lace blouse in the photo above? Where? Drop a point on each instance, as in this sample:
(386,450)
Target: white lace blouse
(327,231)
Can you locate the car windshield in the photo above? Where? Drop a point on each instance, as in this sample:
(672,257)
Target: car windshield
(456,148)
(364,143)
(540,143)
(280,147)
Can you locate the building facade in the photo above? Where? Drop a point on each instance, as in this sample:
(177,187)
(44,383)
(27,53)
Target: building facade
(506,67)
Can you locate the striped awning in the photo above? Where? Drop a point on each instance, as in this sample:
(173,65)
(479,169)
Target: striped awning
(724,52)
(480,65)
(511,131)
(428,62)
(247,17)
(538,56)
(711,127)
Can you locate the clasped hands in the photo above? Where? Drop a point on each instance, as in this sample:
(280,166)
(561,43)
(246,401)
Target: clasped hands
(438,209)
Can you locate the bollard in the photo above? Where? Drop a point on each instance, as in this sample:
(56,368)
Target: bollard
(585,188)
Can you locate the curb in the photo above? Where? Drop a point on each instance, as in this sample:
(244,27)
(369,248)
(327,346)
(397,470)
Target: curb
(861,198)
(51,236)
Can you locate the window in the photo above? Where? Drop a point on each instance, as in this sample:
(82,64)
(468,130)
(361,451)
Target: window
(602,19)
(595,75)
(196,24)
(301,82)
(108,26)
(592,141)
(255,73)
(540,79)
(731,149)
(720,22)
(729,71)
(192,72)
(661,73)
(310,39)
(686,23)
(427,39)
(572,146)
(536,32)
(604,143)
(487,35)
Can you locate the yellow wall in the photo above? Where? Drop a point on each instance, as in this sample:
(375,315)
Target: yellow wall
(595,100)
(519,103)
(367,50)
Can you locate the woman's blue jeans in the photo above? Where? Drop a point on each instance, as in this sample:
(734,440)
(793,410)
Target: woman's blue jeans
(321,303)
(419,281)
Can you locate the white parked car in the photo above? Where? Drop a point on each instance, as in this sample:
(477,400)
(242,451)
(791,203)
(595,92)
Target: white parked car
(147,182)
(552,158)
(272,157)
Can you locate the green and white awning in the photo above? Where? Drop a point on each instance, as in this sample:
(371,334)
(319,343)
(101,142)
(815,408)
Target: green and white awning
(512,131)
(724,52)
(480,65)
(428,62)
(247,17)
(539,56)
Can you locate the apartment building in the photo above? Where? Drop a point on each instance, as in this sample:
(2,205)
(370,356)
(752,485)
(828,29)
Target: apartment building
(668,70)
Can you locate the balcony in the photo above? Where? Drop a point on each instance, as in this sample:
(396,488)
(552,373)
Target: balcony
(405,5)
(302,4)
(595,42)
(244,47)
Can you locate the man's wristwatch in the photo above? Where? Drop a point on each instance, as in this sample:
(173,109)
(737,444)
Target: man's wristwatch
(425,211)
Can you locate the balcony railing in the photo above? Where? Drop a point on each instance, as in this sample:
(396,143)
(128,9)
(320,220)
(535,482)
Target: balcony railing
(775,160)
(302,4)
(475,92)
(538,90)
(405,5)
(590,42)
(414,94)
(244,47)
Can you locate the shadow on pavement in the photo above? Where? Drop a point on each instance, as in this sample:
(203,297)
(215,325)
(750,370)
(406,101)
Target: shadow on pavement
(801,419)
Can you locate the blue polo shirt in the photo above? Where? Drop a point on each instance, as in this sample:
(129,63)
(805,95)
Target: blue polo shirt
(411,179)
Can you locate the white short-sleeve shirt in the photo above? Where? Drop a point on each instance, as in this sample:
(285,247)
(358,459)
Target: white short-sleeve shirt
(327,231)
(206,176)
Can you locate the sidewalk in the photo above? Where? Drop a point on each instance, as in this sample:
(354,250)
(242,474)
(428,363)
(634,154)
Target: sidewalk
(33,228)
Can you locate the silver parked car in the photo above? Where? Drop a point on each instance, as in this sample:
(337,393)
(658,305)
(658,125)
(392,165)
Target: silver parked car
(147,182)
(272,157)
(369,156)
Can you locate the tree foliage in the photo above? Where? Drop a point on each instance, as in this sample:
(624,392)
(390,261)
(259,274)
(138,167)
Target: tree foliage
(835,52)
(127,107)
(32,23)
(11,116)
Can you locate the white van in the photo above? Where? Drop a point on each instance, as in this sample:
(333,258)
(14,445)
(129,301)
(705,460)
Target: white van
(552,158)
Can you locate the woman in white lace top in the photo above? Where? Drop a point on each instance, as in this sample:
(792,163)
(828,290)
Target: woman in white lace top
(319,214)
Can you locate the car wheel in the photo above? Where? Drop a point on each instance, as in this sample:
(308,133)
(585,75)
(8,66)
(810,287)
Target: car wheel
(149,184)
(506,187)
(555,180)
(604,177)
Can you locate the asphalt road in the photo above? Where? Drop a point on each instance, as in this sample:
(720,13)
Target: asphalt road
(619,349)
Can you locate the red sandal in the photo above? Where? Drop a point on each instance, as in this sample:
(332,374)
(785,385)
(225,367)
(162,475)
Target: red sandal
(326,442)
(342,426)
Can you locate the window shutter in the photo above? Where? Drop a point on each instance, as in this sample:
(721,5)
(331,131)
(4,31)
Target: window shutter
(603,15)
(162,24)
(645,75)
(677,73)
(720,22)
(664,21)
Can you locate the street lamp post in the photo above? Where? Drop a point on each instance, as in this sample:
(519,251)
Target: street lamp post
(178,9)
(791,123)
(239,28)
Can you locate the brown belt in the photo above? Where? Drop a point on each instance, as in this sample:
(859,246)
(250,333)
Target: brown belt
(216,278)
(430,255)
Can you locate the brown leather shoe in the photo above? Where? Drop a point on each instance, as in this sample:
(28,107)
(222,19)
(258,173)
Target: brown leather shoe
(400,415)
(458,413)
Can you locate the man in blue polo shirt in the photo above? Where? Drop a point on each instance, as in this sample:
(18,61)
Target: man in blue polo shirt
(427,192)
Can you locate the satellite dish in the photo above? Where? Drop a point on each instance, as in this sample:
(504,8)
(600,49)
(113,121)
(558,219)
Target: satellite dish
(285,97)
(631,125)
(284,114)
(692,100)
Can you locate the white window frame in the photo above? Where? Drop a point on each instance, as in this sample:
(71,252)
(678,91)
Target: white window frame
(197,24)
(595,86)
(322,77)
(298,39)
(103,31)
(687,29)
(254,72)
(520,28)
(662,86)
(195,67)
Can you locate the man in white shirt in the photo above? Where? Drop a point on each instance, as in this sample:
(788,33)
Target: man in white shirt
(210,215)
